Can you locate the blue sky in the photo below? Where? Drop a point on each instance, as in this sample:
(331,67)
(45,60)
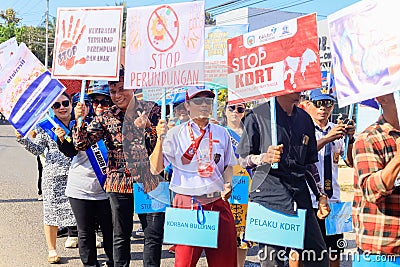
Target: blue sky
(33,11)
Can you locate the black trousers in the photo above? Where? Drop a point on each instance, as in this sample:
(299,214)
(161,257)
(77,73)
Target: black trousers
(153,227)
(40,171)
(89,214)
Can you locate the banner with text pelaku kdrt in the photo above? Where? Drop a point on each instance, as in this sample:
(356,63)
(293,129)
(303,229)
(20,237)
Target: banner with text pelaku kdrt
(275,60)
(87,43)
(162,41)
(365,50)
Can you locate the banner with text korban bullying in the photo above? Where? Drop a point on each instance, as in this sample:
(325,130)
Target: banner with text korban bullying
(87,43)
(275,60)
(365,50)
(27,90)
(7,50)
(165,46)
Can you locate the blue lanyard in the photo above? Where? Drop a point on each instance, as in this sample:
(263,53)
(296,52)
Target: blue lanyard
(199,209)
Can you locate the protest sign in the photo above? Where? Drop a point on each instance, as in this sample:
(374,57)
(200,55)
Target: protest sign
(216,51)
(178,221)
(87,46)
(155,201)
(271,227)
(365,50)
(275,60)
(339,219)
(165,39)
(240,186)
(7,50)
(27,90)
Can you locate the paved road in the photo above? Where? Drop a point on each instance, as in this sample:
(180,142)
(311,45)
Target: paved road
(22,240)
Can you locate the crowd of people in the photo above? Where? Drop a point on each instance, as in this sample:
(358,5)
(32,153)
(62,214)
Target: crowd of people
(197,156)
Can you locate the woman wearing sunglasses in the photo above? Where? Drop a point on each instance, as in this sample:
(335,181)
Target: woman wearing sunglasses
(99,94)
(88,200)
(234,124)
(56,208)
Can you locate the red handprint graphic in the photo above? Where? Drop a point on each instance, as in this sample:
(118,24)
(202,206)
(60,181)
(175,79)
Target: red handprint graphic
(68,48)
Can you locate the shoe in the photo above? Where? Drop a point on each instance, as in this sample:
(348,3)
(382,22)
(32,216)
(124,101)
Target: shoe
(53,259)
(40,198)
(71,242)
(172,249)
(140,232)
(62,232)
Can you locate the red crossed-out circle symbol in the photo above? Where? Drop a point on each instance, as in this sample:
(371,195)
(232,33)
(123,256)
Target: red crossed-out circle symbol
(163,28)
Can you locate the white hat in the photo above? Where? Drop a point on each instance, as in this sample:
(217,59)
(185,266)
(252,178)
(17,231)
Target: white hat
(192,91)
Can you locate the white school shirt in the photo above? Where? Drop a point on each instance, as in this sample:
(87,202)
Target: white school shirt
(185,179)
(337,147)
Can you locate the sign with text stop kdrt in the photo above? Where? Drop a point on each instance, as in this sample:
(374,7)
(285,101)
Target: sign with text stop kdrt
(276,60)
(87,43)
(165,46)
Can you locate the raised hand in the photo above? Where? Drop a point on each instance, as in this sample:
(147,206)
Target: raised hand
(226,193)
(162,128)
(67,53)
(60,133)
(142,121)
(80,110)
(273,154)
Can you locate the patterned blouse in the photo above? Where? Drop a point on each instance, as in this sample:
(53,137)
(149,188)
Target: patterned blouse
(56,163)
(128,147)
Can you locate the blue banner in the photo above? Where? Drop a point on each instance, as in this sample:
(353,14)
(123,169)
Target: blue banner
(98,157)
(155,201)
(240,191)
(271,227)
(27,90)
(339,219)
(49,128)
(182,227)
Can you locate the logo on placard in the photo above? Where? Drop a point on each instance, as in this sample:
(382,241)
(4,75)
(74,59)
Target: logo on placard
(285,30)
(71,38)
(251,40)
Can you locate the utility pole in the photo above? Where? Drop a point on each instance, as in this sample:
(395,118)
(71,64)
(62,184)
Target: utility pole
(46,55)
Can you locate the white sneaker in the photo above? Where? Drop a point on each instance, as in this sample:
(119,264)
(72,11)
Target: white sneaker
(99,244)
(71,242)
(140,232)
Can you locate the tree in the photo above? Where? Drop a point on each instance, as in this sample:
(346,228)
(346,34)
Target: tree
(10,16)
(7,30)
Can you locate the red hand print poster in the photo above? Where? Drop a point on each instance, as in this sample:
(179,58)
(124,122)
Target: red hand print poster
(88,43)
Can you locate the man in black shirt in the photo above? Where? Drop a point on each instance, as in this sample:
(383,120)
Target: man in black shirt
(283,189)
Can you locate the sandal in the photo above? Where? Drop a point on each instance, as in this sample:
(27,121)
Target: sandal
(53,259)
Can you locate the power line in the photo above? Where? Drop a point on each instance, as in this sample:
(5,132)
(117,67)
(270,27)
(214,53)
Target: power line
(266,11)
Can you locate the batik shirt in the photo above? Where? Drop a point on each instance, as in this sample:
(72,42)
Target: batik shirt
(128,146)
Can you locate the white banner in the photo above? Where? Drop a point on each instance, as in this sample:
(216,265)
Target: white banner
(7,50)
(161,41)
(88,43)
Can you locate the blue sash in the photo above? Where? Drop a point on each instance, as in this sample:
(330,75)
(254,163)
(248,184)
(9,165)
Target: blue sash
(98,157)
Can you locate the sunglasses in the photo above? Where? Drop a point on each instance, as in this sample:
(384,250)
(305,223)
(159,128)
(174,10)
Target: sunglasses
(104,102)
(201,100)
(323,103)
(57,105)
(238,109)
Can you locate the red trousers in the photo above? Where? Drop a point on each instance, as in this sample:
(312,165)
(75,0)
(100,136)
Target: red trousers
(226,253)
